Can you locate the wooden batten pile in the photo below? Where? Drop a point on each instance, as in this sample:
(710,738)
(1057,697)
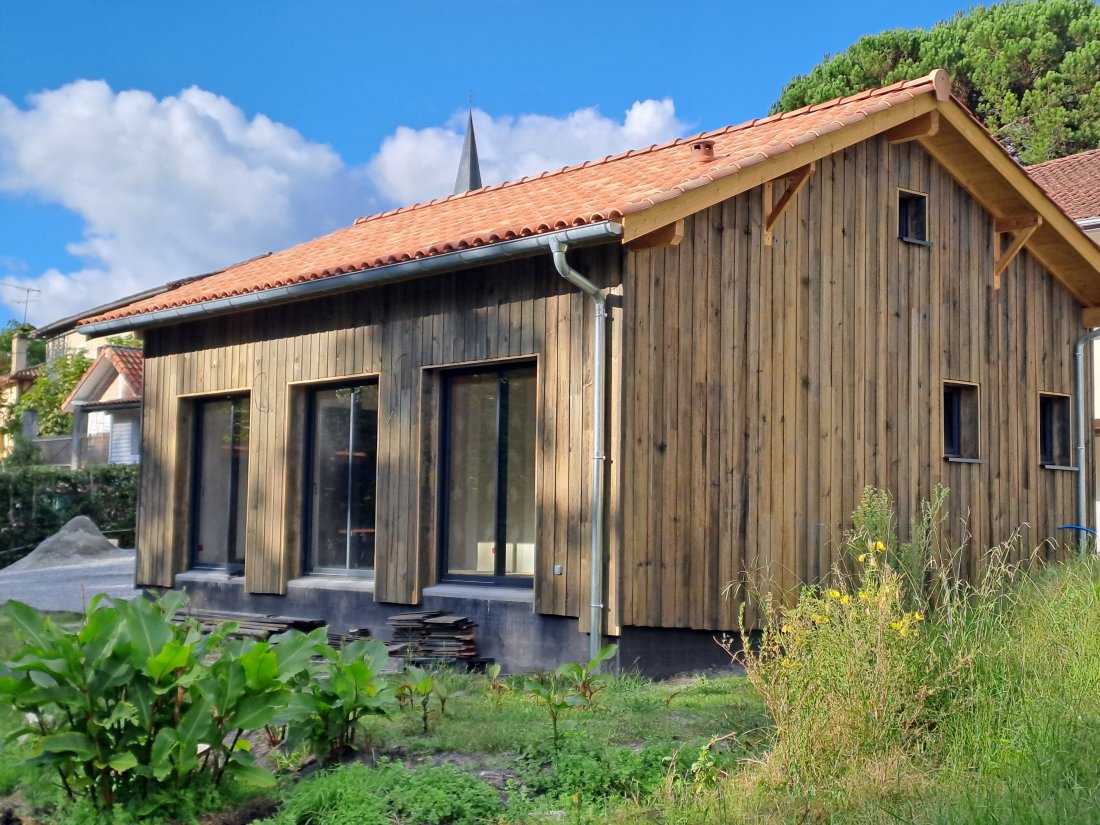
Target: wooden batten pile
(432,635)
(249,625)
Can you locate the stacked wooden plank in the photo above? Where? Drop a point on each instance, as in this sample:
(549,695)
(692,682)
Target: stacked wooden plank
(432,635)
(353,634)
(251,625)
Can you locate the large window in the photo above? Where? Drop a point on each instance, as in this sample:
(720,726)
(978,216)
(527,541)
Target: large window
(343,462)
(488,508)
(220,483)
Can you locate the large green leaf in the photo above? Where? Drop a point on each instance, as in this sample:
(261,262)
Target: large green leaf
(252,715)
(147,629)
(77,744)
(223,685)
(161,757)
(196,725)
(31,624)
(250,775)
(170,658)
(261,666)
(123,762)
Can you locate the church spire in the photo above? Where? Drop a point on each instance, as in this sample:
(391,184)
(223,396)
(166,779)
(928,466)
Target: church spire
(469,172)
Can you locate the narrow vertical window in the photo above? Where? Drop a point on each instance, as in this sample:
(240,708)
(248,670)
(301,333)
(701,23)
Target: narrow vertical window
(488,490)
(220,483)
(342,479)
(1055,430)
(912,217)
(960,421)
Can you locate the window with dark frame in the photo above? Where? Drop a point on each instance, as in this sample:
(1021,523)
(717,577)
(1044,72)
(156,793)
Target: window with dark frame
(961,420)
(341,479)
(913,217)
(219,482)
(487,512)
(1055,430)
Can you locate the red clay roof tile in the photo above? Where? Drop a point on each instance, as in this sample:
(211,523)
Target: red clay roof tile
(1072,182)
(590,192)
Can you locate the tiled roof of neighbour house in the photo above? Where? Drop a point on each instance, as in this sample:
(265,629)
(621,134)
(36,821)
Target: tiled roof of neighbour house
(26,374)
(592,192)
(127,362)
(130,364)
(1072,182)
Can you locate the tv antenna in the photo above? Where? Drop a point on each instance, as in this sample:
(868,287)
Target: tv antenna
(27,290)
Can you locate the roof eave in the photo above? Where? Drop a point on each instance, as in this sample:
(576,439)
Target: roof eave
(588,234)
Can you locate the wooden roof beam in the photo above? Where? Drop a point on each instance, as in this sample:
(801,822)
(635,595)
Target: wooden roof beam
(1090,317)
(795,181)
(1015,223)
(925,126)
(668,235)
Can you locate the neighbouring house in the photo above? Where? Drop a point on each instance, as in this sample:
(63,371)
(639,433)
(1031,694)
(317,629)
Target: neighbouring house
(604,398)
(14,385)
(106,409)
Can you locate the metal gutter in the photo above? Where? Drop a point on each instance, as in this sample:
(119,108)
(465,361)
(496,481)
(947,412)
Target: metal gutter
(390,273)
(599,425)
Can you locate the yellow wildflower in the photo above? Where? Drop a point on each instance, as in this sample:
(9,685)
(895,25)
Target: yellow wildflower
(863,557)
(834,594)
(863,596)
(918,617)
(880,547)
(845,599)
(785,629)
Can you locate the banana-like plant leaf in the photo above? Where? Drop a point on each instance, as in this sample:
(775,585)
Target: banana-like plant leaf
(31,624)
(70,742)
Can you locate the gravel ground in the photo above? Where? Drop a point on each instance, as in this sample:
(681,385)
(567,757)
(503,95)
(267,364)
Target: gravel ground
(70,586)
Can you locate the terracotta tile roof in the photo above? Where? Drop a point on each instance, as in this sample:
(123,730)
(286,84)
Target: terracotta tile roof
(130,364)
(594,191)
(25,375)
(1072,182)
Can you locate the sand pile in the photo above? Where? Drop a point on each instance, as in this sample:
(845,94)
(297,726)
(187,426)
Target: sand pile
(78,541)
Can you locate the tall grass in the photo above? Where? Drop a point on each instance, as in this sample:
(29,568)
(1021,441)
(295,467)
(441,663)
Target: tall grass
(901,691)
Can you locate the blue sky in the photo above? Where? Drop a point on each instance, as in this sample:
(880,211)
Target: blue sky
(142,142)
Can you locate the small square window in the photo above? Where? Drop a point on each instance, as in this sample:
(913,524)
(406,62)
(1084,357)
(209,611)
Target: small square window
(960,421)
(912,217)
(1055,430)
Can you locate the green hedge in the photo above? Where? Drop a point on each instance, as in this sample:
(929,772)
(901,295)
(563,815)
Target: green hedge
(35,502)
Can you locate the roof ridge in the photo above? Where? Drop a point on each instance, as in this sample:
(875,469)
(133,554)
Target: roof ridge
(656,147)
(1058,161)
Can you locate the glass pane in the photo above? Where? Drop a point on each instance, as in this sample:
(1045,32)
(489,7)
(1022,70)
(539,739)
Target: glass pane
(221,482)
(472,471)
(345,447)
(520,457)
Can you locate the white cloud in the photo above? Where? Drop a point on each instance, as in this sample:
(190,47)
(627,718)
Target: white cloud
(420,164)
(187,184)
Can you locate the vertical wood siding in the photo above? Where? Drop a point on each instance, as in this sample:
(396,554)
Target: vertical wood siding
(766,386)
(399,333)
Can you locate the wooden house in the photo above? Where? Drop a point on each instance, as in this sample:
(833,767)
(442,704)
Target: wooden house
(869,291)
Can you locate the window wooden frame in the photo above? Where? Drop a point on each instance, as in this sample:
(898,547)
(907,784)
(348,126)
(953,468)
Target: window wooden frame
(1056,425)
(961,418)
(499,577)
(234,541)
(308,405)
(913,217)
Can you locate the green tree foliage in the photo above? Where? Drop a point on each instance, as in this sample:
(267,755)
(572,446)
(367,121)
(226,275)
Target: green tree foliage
(1029,70)
(128,340)
(36,347)
(47,395)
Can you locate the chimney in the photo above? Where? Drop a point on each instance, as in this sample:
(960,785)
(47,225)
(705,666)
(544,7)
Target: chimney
(703,151)
(18,353)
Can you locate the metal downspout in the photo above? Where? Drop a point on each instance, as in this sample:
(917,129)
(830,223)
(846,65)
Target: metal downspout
(599,359)
(1079,414)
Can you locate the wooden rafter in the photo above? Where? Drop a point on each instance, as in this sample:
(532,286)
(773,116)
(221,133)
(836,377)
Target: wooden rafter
(1020,227)
(669,235)
(795,181)
(924,126)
